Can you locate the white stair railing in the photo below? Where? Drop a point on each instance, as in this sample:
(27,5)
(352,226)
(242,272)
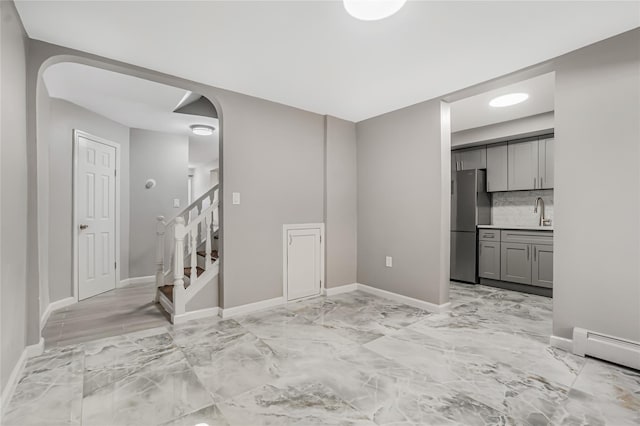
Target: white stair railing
(193,226)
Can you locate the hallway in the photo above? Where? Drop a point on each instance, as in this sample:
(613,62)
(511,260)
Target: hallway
(115,312)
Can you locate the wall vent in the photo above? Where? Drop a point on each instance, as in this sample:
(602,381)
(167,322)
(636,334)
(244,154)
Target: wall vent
(608,348)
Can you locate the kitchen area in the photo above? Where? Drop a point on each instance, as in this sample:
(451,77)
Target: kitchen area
(502,214)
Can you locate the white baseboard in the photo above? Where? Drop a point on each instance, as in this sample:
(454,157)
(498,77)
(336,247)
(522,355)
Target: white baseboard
(194,315)
(561,343)
(341,289)
(251,307)
(417,303)
(136,280)
(28,352)
(54,306)
(427,306)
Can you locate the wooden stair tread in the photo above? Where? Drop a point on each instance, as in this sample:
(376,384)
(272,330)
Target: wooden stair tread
(167,290)
(187,271)
(214,254)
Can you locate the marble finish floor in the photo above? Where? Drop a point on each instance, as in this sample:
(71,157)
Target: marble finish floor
(119,311)
(350,359)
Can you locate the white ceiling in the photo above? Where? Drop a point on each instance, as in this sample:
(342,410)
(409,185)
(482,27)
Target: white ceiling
(131,101)
(313,55)
(475,111)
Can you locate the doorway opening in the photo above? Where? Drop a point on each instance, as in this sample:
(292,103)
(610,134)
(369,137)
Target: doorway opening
(123,153)
(502,180)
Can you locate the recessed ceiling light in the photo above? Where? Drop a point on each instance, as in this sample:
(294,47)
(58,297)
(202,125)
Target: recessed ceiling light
(372,10)
(508,100)
(202,130)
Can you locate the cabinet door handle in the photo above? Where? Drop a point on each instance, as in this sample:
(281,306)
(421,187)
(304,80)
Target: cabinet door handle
(461,165)
(541,186)
(534,182)
(488,186)
(527,252)
(535,250)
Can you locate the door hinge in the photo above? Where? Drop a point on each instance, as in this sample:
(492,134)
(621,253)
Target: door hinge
(115,172)
(115,265)
(320,239)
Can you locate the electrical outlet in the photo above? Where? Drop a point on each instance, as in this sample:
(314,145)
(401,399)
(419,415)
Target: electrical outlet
(389,262)
(236,198)
(176,202)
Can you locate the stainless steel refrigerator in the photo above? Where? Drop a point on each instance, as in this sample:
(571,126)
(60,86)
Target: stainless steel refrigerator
(470,207)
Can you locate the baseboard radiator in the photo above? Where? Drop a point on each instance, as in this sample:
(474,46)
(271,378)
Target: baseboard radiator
(608,348)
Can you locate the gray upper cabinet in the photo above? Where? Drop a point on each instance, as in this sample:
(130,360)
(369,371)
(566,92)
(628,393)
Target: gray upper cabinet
(469,159)
(542,266)
(489,259)
(497,175)
(515,262)
(545,163)
(475,158)
(522,165)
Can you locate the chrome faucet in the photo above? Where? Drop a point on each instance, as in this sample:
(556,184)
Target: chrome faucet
(540,201)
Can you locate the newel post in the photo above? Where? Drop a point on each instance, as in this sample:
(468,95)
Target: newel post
(160,230)
(178,268)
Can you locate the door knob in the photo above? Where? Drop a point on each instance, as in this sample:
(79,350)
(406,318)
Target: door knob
(84,226)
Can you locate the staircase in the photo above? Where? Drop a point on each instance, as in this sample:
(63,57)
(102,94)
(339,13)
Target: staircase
(190,238)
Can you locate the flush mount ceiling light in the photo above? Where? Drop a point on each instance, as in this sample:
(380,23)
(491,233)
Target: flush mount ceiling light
(372,10)
(202,130)
(508,100)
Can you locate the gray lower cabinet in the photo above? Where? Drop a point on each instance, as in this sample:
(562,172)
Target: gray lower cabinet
(497,160)
(489,259)
(517,256)
(515,263)
(542,266)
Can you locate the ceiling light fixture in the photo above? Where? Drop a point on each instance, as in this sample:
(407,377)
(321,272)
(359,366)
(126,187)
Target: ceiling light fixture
(508,100)
(372,10)
(202,130)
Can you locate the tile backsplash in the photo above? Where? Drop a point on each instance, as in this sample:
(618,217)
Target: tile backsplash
(516,207)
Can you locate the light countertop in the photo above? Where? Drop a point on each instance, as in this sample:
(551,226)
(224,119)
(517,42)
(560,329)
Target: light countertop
(518,227)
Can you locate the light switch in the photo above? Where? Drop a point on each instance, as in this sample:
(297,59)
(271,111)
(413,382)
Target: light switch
(236,198)
(176,202)
(389,262)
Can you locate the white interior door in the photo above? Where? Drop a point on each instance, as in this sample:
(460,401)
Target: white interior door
(303,263)
(96,206)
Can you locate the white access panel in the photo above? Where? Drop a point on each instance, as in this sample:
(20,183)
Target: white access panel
(303,267)
(96,221)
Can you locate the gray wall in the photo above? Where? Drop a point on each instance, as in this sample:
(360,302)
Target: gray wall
(400,196)
(274,156)
(13,184)
(163,157)
(341,202)
(522,127)
(44,110)
(64,117)
(597,181)
(271,153)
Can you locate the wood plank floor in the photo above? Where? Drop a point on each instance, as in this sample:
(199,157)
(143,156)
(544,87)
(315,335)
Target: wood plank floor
(115,312)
